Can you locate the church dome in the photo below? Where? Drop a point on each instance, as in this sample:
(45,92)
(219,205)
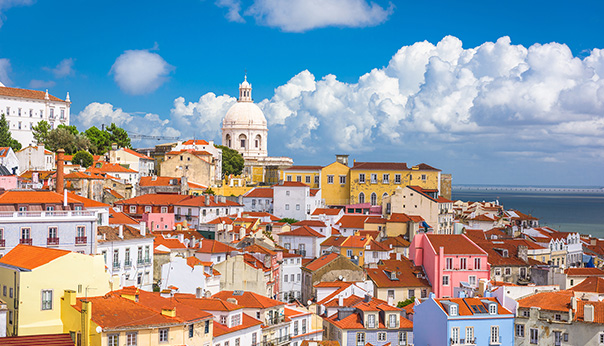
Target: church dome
(244,113)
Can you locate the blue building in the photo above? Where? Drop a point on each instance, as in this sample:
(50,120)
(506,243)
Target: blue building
(462,321)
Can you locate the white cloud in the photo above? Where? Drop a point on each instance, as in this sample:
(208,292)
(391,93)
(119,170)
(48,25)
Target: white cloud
(234,7)
(303,15)
(41,84)
(202,119)
(63,69)
(4,71)
(97,114)
(139,72)
(6,4)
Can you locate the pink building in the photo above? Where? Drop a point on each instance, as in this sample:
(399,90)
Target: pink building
(8,182)
(448,260)
(159,221)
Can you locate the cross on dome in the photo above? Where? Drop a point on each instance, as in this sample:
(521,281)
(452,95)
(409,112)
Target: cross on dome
(245,91)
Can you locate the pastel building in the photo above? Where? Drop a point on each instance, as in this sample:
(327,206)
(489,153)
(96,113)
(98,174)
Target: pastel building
(449,260)
(462,321)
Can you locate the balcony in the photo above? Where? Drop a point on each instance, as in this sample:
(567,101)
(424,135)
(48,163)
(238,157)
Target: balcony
(2,243)
(127,263)
(276,341)
(274,320)
(52,241)
(116,265)
(81,240)
(25,241)
(471,341)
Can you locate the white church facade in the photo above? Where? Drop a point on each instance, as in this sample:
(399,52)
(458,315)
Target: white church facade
(24,108)
(244,128)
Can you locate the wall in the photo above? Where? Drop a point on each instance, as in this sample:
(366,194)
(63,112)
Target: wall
(290,201)
(237,275)
(198,171)
(336,193)
(428,313)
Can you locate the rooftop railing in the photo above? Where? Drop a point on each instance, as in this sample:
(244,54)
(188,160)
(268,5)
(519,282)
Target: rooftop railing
(68,213)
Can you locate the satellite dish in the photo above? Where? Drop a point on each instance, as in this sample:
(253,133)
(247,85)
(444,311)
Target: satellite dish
(99,329)
(309,302)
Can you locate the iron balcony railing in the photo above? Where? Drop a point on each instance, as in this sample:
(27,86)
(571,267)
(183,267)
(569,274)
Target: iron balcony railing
(81,240)
(25,241)
(52,241)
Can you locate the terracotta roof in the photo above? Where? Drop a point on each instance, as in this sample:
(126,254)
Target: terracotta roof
(34,197)
(31,257)
(195,141)
(221,219)
(154,199)
(397,241)
(310,223)
(259,214)
(200,201)
(137,154)
(214,246)
(170,243)
(553,301)
(354,321)
(291,184)
(425,167)
(382,166)
(248,299)
(38,340)
(114,193)
(355,241)
(584,272)
(400,217)
(326,211)
(422,192)
(88,203)
(320,343)
(598,311)
(158,181)
(352,221)
(321,261)
(119,218)
(255,248)
(591,284)
(109,233)
(454,244)
(303,231)
(27,93)
(304,168)
(376,220)
(333,241)
(405,275)
(465,305)
(109,167)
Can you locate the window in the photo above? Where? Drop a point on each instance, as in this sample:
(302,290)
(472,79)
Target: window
(132,209)
(147,253)
(449,263)
(371,321)
(535,336)
(445,280)
(147,209)
(411,293)
(492,309)
(392,321)
(463,263)
(381,336)
(113,339)
(53,232)
(330,179)
(453,310)
(373,198)
(238,342)
(472,280)
(317,179)
(360,339)
(191,326)
(298,277)
(163,335)
(287,207)
(116,258)
(361,197)
(342,179)
(25,233)
(289,178)
(362,178)
(520,330)
(235,320)
(494,334)
(10,292)
(303,322)
(424,293)
(498,271)
(4,290)
(297,207)
(386,179)
(557,337)
(455,335)
(131,339)
(557,317)
(127,260)
(373,178)
(164,209)
(508,271)
(349,253)
(295,327)
(299,178)
(308,179)
(476,263)
(254,336)
(601,338)
(423,177)
(402,338)
(46,299)
(469,335)
(285,278)
(287,193)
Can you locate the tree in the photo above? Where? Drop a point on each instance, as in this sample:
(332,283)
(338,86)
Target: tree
(232,161)
(100,142)
(6,139)
(41,132)
(62,137)
(70,128)
(288,220)
(405,302)
(119,136)
(83,158)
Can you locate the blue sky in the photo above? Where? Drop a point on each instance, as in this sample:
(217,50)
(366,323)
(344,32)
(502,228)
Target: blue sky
(500,93)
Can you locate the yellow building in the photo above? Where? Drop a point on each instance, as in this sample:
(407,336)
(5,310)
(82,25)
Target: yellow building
(134,317)
(33,280)
(309,175)
(335,182)
(372,181)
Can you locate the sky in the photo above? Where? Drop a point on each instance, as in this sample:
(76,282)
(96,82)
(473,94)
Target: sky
(492,92)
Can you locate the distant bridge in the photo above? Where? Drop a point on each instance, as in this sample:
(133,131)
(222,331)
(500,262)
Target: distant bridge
(528,189)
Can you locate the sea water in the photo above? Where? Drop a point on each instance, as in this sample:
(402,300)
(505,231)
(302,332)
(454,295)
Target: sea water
(567,212)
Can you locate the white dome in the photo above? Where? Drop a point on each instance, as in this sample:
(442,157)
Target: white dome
(244,113)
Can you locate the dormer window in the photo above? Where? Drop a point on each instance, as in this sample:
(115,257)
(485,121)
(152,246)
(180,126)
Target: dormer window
(392,321)
(371,321)
(492,309)
(453,310)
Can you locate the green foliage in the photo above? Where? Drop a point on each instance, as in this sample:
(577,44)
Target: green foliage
(209,191)
(6,139)
(41,132)
(405,303)
(101,140)
(83,158)
(71,128)
(232,161)
(63,137)
(288,220)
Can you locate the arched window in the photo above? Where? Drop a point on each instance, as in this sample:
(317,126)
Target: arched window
(361,197)
(258,142)
(373,198)
(384,196)
(228,141)
(242,139)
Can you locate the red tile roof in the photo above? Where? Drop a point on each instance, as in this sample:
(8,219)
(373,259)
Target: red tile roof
(260,192)
(405,275)
(291,184)
(425,167)
(249,299)
(158,181)
(88,203)
(196,142)
(326,211)
(31,257)
(584,272)
(38,340)
(120,218)
(352,221)
(553,301)
(466,303)
(109,233)
(109,167)
(321,261)
(221,219)
(137,154)
(303,231)
(27,93)
(591,284)
(154,199)
(214,246)
(246,322)
(454,244)
(304,168)
(382,166)
(310,223)
(200,201)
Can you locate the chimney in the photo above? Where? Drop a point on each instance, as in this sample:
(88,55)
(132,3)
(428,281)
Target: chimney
(340,301)
(181,237)
(367,298)
(65,198)
(143,228)
(588,313)
(113,146)
(60,175)
(206,199)
(523,252)
(121,231)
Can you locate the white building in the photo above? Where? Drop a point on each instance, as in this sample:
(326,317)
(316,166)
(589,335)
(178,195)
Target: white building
(25,108)
(258,199)
(203,209)
(128,253)
(291,282)
(295,200)
(190,275)
(143,164)
(9,160)
(35,158)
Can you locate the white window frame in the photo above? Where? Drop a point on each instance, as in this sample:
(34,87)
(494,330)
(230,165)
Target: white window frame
(47,296)
(330,179)
(361,178)
(494,336)
(455,335)
(446,282)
